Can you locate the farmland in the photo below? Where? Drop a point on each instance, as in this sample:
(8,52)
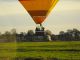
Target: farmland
(69,50)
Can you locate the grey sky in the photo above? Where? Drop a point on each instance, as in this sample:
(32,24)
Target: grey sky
(65,15)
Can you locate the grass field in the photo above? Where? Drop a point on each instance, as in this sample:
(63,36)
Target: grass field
(45,50)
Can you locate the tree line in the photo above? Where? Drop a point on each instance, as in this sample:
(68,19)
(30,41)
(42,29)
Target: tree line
(8,36)
(70,35)
(13,36)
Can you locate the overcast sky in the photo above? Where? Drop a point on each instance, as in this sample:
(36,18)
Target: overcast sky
(65,15)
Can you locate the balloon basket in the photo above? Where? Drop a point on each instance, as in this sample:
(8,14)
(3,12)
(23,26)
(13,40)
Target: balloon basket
(39,31)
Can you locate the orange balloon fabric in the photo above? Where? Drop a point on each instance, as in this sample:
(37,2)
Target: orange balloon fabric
(39,19)
(38,9)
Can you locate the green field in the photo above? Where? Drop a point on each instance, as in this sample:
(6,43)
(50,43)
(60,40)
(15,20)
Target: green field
(45,50)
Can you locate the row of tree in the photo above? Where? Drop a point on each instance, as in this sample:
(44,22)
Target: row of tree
(13,36)
(70,35)
(8,36)
(33,36)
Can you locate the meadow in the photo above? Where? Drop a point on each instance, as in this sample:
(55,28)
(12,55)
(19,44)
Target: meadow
(58,50)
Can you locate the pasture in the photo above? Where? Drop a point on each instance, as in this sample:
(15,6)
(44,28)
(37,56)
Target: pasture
(69,50)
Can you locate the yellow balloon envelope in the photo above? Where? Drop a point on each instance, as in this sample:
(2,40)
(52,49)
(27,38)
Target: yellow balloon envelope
(38,9)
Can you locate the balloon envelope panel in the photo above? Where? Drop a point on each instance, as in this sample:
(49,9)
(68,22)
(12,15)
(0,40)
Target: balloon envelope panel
(38,9)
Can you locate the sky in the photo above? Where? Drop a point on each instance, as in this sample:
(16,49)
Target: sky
(65,15)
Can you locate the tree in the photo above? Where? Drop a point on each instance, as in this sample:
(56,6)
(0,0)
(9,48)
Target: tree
(30,35)
(7,35)
(13,34)
(13,31)
(76,34)
(61,32)
(0,33)
(30,32)
(48,32)
(61,35)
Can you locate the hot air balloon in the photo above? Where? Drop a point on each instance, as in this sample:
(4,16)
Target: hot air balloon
(38,9)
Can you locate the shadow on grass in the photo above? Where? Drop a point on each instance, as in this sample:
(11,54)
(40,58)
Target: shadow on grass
(46,50)
(36,58)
